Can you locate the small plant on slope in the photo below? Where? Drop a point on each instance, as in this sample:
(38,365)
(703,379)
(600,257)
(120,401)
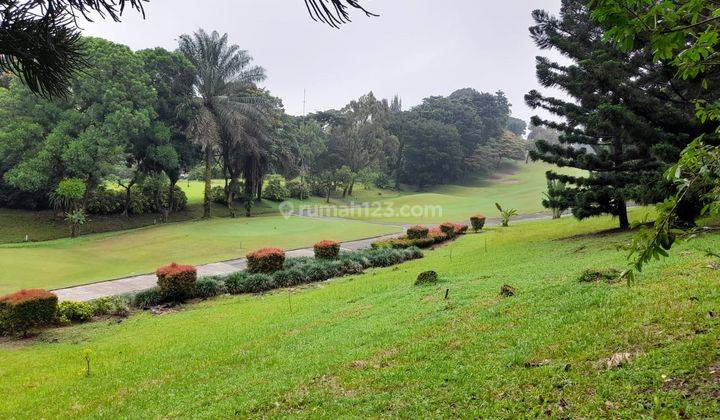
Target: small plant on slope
(506,214)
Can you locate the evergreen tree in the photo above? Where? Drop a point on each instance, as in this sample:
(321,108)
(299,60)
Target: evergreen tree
(626,121)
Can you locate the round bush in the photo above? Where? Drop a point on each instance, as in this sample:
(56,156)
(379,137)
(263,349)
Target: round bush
(266,260)
(21,311)
(327,249)
(176,282)
(477,221)
(426,277)
(113,306)
(75,311)
(275,189)
(298,189)
(235,282)
(448,228)
(460,229)
(417,232)
(259,282)
(208,287)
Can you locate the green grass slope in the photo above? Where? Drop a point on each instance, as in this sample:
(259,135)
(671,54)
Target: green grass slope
(65,262)
(374,344)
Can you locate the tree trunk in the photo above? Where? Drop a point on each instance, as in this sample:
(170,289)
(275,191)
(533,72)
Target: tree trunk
(208,182)
(398,164)
(350,190)
(623,214)
(171,196)
(260,187)
(128,198)
(327,198)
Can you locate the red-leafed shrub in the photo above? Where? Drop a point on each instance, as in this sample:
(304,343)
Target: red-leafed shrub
(438,235)
(327,249)
(176,281)
(266,260)
(27,309)
(477,221)
(417,232)
(448,228)
(460,229)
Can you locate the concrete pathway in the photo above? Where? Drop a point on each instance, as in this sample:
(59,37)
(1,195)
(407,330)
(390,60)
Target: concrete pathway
(133,284)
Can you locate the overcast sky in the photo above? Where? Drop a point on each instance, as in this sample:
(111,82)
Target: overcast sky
(415,48)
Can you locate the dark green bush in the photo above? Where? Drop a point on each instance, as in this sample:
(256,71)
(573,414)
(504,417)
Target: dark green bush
(260,282)
(146,299)
(75,311)
(27,309)
(426,277)
(477,221)
(106,201)
(235,282)
(289,277)
(208,287)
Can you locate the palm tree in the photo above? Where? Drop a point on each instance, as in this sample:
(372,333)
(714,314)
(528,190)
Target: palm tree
(231,115)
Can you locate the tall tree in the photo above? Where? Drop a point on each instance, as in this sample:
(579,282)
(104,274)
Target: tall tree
(228,113)
(627,117)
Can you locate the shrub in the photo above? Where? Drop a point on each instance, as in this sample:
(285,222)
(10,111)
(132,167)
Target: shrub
(235,282)
(298,189)
(176,281)
(27,309)
(413,253)
(385,257)
(506,214)
(289,277)
(417,232)
(68,194)
(113,306)
(426,277)
(260,282)
(208,287)
(106,201)
(477,221)
(327,249)
(266,260)
(217,195)
(460,229)
(146,299)
(275,189)
(438,235)
(448,228)
(75,311)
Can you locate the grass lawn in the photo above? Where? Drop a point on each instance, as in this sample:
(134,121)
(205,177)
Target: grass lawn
(375,345)
(65,262)
(518,186)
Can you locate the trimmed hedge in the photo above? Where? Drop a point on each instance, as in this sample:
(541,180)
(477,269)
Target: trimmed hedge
(326,249)
(417,232)
(208,287)
(448,228)
(478,222)
(27,309)
(176,282)
(460,228)
(426,277)
(266,260)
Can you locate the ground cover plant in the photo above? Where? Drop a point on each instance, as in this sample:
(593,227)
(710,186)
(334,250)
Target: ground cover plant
(376,344)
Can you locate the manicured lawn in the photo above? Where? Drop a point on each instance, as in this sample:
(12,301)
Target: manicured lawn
(64,262)
(375,345)
(519,186)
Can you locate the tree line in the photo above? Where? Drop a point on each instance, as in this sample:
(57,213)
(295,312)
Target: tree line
(133,123)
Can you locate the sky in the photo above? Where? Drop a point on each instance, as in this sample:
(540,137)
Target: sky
(414,49)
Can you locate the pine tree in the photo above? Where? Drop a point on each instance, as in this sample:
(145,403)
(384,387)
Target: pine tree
(626,122)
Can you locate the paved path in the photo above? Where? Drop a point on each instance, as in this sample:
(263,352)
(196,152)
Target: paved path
(133,284)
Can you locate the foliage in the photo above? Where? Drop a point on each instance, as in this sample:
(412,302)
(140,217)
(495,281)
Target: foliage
(417,232)
(275,190)
(628,121)
(68,194)
(426,277)
(265,260)
(208,287)
(75,311)
(235,283)
(27,309)
(298,189)
(506,214)
(327,249)
(176,282)
(75,218)
(557,198)
(477,221)
(111,306)
(460,228)
(448,228)
(146,299)
(590,275)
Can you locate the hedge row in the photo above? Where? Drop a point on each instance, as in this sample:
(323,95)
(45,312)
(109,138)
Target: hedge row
(423,237)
